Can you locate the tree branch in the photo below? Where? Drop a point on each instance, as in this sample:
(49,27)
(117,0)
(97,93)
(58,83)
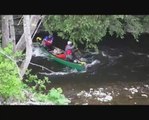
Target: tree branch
(41,67)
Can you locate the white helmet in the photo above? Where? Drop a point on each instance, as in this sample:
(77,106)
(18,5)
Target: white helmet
(69,42)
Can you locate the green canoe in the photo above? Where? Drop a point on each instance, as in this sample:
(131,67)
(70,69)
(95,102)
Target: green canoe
(77,66)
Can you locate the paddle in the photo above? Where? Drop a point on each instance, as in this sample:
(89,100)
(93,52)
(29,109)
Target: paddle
(78,53)
(78,57)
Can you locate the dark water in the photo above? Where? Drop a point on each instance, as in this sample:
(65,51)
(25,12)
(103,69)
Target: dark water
(121,77)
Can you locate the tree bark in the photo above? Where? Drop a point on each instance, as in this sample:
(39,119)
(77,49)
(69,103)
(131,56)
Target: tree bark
(12,31)
(5,31)
(28,41)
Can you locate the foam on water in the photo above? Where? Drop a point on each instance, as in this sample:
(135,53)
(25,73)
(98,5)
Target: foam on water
(58,73)
(93,63)
(37,52)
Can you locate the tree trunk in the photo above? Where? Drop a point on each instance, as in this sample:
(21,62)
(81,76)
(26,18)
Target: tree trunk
(12,31)
(28,41)
(33,24)
(5,31)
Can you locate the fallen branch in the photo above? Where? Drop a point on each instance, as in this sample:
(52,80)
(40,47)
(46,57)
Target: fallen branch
(44,73)
(41,67)
(56,73)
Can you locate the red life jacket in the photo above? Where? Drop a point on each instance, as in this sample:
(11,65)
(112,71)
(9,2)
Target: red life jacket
(48,43)
(69,52)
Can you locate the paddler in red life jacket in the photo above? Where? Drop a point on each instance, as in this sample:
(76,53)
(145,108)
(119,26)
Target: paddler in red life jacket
(69,51)
(47,42)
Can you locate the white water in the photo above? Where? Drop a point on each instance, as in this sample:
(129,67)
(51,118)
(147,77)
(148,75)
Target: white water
(37,52)
(93,63)
(60,73)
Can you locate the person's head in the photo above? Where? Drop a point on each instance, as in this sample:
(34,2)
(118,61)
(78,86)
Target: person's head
(69,43)
(50,36)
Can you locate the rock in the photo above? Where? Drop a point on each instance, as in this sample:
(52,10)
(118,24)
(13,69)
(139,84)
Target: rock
(85,104)
(130,97)
(144,95)
(135,103)
(146,86)
(87,95)
(102,94)
(133,90)
(80,93)
(91,89)
(125,88)
(108,98)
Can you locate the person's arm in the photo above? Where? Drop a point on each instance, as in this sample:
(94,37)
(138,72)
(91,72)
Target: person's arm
(69,47)
(72,47)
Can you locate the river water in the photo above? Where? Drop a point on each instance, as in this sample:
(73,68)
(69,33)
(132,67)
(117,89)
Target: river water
(118,74)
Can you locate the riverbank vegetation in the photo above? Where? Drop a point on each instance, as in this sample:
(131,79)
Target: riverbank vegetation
(27,91)
(90,29)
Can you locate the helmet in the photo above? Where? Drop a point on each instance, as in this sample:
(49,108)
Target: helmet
(69,42)
(38,38)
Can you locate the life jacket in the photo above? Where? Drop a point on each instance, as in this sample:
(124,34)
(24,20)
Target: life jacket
(48,43)
(68,52)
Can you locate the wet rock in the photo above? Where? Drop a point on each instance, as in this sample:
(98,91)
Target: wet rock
(105,99)
(138,87)
(144,95)
(102,94)
(133,90)
(85,104)
(80,93)
(146,86)
(109,93)
(96,93)
(117,94)
(76,103)
(87,95)
(101,88)
(125,88)
(91,89)
(112,92)
(108,98)
(130,97)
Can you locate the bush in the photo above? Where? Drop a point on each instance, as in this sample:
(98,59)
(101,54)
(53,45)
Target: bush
(56,96)
(10,82)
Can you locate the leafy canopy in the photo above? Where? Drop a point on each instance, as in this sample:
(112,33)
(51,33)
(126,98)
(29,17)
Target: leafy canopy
(90,29)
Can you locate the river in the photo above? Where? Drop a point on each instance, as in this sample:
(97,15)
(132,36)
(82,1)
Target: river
(118,75)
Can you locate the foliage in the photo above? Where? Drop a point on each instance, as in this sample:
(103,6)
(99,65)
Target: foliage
(90,29)
(10,83)
(134,25)
(12,88)
(54,95)
(38,84)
